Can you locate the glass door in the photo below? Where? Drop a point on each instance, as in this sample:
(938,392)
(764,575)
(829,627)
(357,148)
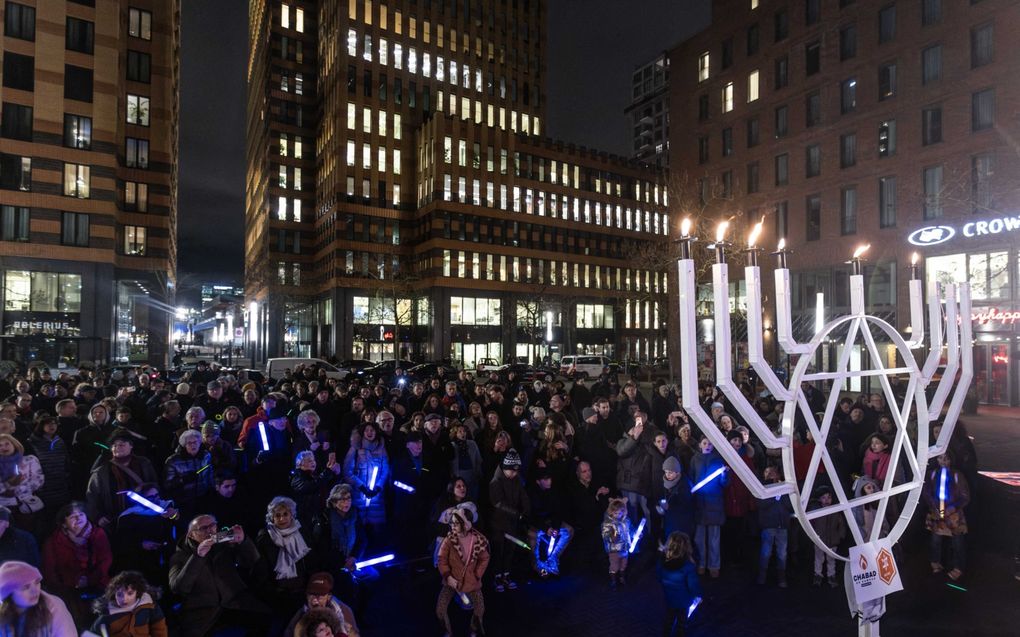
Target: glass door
(991,373)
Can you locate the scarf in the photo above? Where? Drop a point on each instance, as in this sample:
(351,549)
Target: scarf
(292,548)
(81,539)
(9,466)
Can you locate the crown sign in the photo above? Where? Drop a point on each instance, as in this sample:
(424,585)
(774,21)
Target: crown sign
(899,368)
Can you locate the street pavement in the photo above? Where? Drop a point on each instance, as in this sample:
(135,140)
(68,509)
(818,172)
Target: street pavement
(579,604)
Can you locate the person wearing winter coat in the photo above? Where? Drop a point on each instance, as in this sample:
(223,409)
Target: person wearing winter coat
(21,476)
(88,444)
(509,505)
(680,583)
(677,504)
(738,503)
(286,549)
(220,451)
(128,608)
(946,517)
(865,514)
(467,459)
(27,610)
(308,485)
(831,529)
(774,522)
(616,540)
(367,456)
(456,494)
(143,537)
(121,471)
(463,559)
(549,532)
(76,558)
(319,599)
(188,474)
(16,544)
(634,468)
(54,457)
(208,572)
(710,512)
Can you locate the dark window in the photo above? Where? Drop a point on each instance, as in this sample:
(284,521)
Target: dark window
(931,12)
(782,122)
(81,35)
(14,223)
(887,138)
(16,122)
(77,83)
(812,109)
(727,184)
(752,39)
(782,169)
(352,78)
(138,66)
(981,182)
(887,24)
(398,91)
(813,217)
(703,107)
(848,96)
(727,142)
(136,152)
(812,11)
(782,226)
(982,109)
(74,229)
(848,211)
(782,72)
(932,178)
(931,125)
(887,202)
(702,150)
(848,42)
(366,83)
(753,132)
(981,46)
(782,25)
(19,71)
(383,84)
(19,21)
(847,150)
(727,53)
(752,178)
(15,172)
(813,160)
(931,64)
(886,81)
(812,58)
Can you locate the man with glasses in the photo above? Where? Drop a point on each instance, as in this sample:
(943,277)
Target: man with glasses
(208,572)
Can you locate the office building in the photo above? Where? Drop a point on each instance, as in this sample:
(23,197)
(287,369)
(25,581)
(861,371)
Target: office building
(847,123)
(649,112)
(88,180)
(402,200)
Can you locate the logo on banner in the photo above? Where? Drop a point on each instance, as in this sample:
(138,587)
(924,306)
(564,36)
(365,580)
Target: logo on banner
(873,571)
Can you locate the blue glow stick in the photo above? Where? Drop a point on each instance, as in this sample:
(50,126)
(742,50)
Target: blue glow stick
(406,487)
(145,502)
(265,438)
(552,546)
(371,480)
(389,557)
(694,605)
(715,474)
(464,599)
(637,535)
(942,492)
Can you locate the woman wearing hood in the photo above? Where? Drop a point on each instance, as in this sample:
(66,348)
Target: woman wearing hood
(128,608)
(463,558)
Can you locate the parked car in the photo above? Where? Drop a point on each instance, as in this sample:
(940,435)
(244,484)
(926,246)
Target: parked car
(486,365)
(352,365)
(527,373)
(383,371)
(583,366)
(428,371)
(275,367)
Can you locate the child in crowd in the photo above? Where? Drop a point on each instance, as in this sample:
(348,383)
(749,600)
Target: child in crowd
(616,538)
(128,607)
(831,530)
(679,582)
(774,521)
(945,514)
(709,509)
(876,458)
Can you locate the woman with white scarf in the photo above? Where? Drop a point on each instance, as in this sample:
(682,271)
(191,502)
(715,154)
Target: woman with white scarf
(285,548)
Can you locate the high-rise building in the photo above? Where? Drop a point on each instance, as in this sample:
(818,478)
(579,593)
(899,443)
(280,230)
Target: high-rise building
(402,201)
(649,112)
(88,180)
(868,122)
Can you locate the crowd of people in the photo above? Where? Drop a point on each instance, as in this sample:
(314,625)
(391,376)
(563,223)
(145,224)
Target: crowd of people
(131,505)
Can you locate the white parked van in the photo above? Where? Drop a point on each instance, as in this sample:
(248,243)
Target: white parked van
(581,367)
(275,367)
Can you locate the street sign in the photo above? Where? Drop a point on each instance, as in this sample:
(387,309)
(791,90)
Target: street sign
(238,332)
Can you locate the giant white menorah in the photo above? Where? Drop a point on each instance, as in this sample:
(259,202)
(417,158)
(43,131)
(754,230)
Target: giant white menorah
(860,329)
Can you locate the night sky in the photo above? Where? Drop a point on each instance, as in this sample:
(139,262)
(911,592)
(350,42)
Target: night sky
(593,47)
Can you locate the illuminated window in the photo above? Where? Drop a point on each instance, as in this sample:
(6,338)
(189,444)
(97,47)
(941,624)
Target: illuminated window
(727,98)
(752,86)
(703,66)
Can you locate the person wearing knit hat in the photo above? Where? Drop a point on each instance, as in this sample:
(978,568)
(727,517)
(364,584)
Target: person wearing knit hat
(113,474)
(463,560)
(676,505)
(21,613)
(183,389)
(210,427)
(509,504)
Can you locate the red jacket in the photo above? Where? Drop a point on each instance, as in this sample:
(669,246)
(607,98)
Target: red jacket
(63,563)
(251,423)
(737,497)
